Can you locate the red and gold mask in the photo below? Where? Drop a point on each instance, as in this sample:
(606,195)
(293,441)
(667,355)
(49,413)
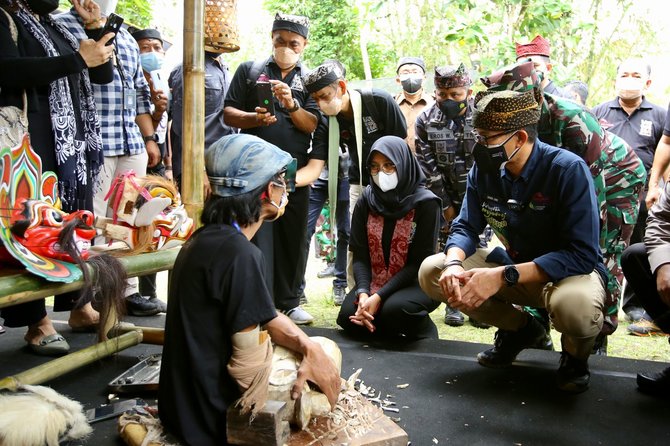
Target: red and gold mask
(33,229)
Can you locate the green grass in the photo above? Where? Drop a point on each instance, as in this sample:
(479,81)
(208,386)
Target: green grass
(620,344)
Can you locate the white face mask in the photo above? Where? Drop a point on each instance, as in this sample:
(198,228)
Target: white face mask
(285,57)
(281,207)
(107,6)
(333,107)
(386,181)
(629,87)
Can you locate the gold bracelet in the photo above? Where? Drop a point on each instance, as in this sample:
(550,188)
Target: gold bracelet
(98,21)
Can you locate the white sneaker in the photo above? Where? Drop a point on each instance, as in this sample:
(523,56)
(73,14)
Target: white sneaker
(299,316)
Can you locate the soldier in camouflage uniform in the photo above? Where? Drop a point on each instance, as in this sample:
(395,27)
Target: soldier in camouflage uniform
(444,142)
(618,174)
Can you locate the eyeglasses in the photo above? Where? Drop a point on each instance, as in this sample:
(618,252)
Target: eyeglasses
(387,168)
(284,196)
(481,139)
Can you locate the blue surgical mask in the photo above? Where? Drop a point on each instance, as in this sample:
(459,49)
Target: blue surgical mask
(151,61)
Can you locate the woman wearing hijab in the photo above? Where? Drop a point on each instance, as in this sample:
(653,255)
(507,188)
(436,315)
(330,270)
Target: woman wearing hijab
(394,227)
(52,68)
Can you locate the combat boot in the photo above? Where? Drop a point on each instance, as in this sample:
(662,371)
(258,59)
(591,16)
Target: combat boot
(508,344)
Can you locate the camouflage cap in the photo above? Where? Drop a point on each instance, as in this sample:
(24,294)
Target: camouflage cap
(504,110)
(539,46)
(520,76)
(449,77)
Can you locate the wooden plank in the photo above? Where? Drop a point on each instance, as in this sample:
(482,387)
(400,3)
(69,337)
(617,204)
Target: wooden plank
(368,426)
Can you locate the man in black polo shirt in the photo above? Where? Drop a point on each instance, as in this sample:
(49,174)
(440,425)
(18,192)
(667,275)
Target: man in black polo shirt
(289,128)
(640,123)
(374,111)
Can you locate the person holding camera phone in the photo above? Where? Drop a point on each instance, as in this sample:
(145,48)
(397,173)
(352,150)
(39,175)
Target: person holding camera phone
(288,123)
(124,110)
(56,72)
(444,145)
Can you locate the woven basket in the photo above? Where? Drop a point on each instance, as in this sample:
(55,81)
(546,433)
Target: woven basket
(221,30)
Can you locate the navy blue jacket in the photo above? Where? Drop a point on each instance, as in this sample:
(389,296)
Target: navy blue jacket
(548,215)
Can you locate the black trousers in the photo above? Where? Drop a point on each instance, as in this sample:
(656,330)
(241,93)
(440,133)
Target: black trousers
(404,313)
(630,297)
(637,270)
(282,243)
(34,311)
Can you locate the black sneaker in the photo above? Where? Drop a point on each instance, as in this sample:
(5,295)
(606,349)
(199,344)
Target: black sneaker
(508,344)
(136,305)
(545,343)
(600,346)
(162,306)
(478,324)
(453,317)
(573,374)
(656,384)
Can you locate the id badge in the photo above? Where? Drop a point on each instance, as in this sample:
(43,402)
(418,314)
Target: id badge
(129,95)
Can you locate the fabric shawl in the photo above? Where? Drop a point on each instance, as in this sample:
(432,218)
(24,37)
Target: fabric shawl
(78,160)
(411,189)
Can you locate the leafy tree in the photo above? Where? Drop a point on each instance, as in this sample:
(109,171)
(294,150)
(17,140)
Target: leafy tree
(334,33)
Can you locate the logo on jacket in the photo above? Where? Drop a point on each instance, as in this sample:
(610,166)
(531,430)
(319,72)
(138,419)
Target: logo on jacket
(539,202)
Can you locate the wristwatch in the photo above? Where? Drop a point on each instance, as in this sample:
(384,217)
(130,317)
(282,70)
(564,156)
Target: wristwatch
(295,108)
(148,138)
(511,275)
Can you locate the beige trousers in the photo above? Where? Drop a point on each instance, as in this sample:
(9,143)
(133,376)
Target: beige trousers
(575,304)
(115,165)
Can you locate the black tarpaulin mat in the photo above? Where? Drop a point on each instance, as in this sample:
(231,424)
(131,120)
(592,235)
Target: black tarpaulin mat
(444,397)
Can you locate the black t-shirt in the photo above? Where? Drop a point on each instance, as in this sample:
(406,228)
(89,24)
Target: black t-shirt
(284,134)
(388,120)
(217,288)
(642,130)
(666,127)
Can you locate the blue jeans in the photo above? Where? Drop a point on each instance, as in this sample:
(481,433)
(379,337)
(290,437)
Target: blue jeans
(317,198)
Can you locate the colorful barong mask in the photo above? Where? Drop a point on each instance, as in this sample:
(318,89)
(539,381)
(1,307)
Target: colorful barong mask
(34,231)
(147,213)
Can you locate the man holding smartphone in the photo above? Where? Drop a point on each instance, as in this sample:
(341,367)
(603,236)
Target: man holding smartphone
(124,113)
(290,128)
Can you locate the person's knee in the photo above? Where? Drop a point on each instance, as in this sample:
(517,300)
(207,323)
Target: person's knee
(573,315)
(429,276)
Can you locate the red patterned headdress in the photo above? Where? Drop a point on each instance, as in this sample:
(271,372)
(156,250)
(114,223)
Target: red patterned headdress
(539,46)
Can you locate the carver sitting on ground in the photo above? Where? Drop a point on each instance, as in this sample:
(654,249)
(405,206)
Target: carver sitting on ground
(218,296)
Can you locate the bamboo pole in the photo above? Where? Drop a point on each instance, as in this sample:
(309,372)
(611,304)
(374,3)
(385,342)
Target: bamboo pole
(22,287)
(61,366)
(150,335)
(193,125)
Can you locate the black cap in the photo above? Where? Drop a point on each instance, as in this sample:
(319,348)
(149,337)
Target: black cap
(411,60)
(150,33)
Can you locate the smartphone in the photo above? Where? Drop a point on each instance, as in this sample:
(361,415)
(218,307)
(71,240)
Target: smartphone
(265,98)
(112,410)
(289,176)
(159,82)
(113,25)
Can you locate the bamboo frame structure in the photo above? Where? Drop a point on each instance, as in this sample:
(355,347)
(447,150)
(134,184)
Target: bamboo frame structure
(60,366)
(22,287)
(193,138)
(19,287)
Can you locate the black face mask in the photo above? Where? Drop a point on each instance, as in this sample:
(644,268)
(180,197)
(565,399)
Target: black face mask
(42,7)
(411,85)
(489,159)
(451,108)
